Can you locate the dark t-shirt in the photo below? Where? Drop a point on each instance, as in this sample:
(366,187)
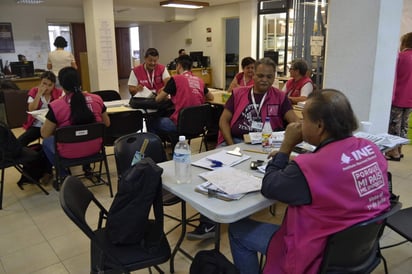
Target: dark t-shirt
(243,125)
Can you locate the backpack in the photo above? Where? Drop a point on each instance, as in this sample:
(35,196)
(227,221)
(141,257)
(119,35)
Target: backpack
(36,168)
(212,262)
(139,189)
(10,148)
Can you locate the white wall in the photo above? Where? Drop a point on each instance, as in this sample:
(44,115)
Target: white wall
(169,38)
(361,55)
(29,25)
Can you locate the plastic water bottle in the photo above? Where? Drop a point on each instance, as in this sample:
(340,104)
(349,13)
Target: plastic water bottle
(182,159)
(267,136)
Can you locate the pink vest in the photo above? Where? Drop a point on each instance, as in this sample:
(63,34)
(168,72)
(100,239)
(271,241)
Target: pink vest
(349,186)
(155,83)
(293,88)
(189,92)
(274,98)
(402,88)
(241,82)
(61,110)
(55,94)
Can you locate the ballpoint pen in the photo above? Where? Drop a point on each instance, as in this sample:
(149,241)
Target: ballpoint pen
(215,163)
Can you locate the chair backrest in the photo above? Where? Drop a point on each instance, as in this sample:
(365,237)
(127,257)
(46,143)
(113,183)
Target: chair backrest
(79,134)
(193,121)
(75,199)
(357,247)
(15,107)
(126,146)
(108,95)
(123,123)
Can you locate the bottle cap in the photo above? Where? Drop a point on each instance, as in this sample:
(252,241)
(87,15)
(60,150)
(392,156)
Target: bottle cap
(182,138)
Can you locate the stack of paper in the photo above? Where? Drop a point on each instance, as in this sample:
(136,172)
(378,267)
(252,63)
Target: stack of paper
(223,157)
(233,181)
(383,140)
(211,190)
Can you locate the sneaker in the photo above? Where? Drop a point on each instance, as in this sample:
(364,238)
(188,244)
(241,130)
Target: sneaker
(203,231)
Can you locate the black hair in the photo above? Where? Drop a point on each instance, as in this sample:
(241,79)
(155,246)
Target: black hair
(247,61)
(185,61)
(49,75)
(180,51)
(60,42)
(79,111)
(333,108)
(151,52)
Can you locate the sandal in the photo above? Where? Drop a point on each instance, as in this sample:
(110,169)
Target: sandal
(392,158)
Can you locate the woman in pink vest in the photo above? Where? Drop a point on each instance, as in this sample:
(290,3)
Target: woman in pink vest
(75,108)
(150,74)
(402,96)
(244,78)
(343,182)
(300,86)
(38,98)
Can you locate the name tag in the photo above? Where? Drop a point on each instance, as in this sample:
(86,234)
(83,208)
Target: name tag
(257,125)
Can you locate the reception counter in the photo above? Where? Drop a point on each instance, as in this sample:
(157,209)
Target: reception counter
(204,73)
(26,83)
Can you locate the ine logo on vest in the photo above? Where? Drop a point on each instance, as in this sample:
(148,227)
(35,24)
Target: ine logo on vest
(357,155)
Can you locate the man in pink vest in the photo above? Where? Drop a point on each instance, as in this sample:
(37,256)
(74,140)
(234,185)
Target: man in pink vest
(185,90)
(150,74)
(247,107)
(300,85)
(245,111)
(343,182)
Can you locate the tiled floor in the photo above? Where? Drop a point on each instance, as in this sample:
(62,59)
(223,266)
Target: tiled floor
(37,237)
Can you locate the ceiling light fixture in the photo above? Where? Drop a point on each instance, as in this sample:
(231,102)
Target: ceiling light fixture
(29,2)
(184,4)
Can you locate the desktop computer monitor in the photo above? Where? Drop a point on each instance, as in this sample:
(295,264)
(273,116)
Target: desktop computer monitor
(22,69)
(274,55)
(197,58)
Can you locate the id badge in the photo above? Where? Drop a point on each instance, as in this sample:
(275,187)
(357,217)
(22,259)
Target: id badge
(257,125)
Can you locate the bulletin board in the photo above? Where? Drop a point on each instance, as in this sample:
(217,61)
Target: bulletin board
(6,38)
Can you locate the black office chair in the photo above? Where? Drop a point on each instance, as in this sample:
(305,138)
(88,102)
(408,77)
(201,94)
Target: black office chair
(401,223)
(76,200)
(123,123)
(26,156)
(356,249)
(81,134)
(124,150)
(192,123)
(108,95)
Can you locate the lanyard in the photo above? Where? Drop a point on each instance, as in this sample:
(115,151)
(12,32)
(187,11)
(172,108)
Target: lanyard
(150,78)
(254,102)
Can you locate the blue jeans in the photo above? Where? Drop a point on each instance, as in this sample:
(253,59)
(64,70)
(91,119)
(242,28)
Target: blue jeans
(48,148)
(246,238)
(161,125)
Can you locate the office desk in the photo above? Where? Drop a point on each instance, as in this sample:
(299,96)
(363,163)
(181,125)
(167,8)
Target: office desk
(203,73)
(26,83)
(111,107)
(220,96)
(215,209)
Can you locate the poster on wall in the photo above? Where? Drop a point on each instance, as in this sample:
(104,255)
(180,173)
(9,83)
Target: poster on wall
(6,38)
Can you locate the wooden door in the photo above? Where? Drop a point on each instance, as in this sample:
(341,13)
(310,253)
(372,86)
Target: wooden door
(123,52)
(79,42)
